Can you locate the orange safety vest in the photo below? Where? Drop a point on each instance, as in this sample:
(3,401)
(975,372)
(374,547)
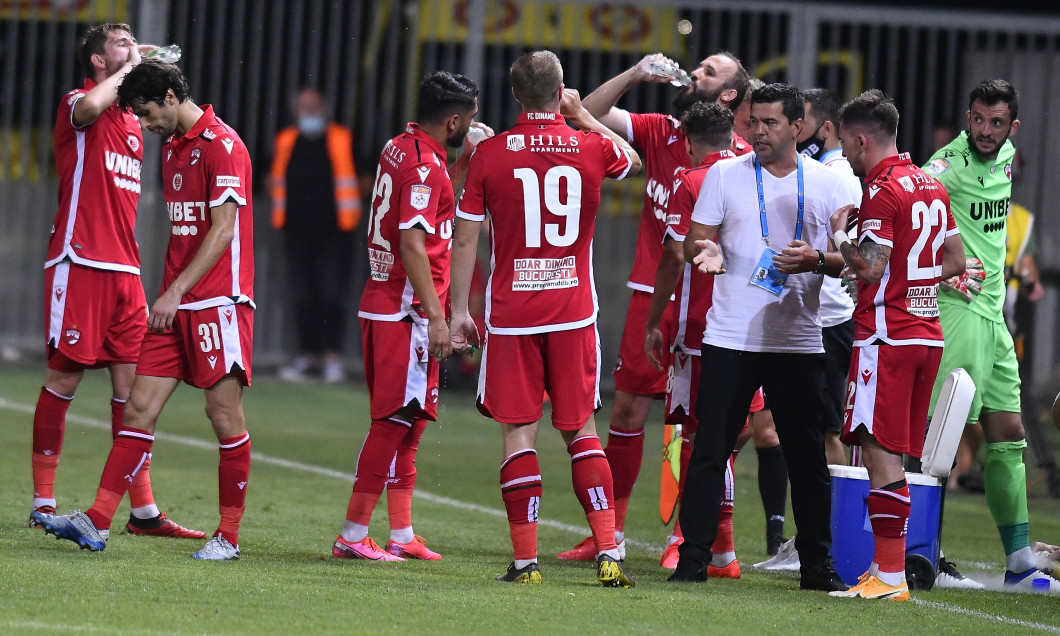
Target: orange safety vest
(340,151)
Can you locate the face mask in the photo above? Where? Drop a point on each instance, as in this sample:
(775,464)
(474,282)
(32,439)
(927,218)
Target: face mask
(311,124)
(812,147)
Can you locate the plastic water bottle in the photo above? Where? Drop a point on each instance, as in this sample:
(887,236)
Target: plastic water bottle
(475,135)
(664,68)
(169,54)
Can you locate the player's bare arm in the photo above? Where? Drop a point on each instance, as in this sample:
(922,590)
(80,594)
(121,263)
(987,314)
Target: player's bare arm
(670,265)
(418,268)
(601,102)
(88,109)
(463,331)
(701,250)
(572,108)
(800,256)
(867,259)
(954,262)
(218,238)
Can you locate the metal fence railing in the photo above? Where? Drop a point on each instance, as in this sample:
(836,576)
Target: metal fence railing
(248,58)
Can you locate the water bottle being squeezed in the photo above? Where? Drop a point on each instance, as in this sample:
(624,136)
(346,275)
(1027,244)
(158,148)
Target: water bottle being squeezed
(169,54)
(664,67)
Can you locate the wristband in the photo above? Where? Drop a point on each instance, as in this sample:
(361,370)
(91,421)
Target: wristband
(820,263)
(840,237)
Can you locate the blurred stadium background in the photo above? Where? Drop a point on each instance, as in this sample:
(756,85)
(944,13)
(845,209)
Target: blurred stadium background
(248,58)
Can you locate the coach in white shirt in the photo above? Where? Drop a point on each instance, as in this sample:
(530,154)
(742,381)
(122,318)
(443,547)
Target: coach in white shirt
(769,213)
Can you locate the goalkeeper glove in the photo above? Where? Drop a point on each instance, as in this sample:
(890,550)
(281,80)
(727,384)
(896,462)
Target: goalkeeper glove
(970,282)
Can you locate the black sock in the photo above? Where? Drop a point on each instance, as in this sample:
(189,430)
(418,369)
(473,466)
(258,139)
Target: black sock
(773,486)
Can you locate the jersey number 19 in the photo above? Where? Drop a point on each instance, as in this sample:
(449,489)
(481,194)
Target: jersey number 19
(570,209)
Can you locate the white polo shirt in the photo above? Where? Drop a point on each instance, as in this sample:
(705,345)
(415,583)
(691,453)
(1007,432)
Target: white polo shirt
(744,317)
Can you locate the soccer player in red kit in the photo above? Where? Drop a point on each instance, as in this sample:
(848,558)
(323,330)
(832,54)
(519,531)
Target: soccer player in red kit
(200,329)
(94,304)
(539,182)
(708,129)
(403,327)
(907,242)
(660,140)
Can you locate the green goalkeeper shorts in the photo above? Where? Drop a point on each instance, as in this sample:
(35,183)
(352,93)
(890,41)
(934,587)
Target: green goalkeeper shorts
(984,349)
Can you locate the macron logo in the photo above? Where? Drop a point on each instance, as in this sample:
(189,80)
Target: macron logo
(228,144)
(866,375)
(242,485)
(423,171)
(672,139)
(873,190)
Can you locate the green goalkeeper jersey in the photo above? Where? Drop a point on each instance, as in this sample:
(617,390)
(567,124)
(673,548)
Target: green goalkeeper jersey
(979,199)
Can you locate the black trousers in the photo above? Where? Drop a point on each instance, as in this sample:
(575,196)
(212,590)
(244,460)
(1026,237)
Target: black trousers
(795,385)
(320,271)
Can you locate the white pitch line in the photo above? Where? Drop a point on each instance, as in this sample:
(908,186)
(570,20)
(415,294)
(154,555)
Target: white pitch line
(58,627)
(329,472)
(577,530)
(956,609)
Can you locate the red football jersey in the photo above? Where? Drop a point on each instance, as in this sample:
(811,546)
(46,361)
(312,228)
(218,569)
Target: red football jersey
(661,144)
(540,184)
(693,288)
(99,186)
(203,169)
(907,210)
(412,189)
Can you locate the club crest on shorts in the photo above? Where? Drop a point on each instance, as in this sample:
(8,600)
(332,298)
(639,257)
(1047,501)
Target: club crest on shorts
(72,336)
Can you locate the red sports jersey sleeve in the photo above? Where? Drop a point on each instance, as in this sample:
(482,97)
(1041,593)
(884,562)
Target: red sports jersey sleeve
(99,186)
(540,185)
(661,144)
(907,210)
(694,289)
(201,170)
(412,190)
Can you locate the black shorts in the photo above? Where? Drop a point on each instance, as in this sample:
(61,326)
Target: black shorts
(838,341)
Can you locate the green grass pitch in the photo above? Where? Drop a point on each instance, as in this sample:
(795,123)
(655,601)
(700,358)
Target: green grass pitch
(306,439)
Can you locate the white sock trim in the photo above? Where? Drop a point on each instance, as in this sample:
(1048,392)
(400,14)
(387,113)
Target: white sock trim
(354,532)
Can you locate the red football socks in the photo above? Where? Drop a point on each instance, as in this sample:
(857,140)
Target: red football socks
(131,449)
(140,495)
(625,452)
(399,489)
(521,492)
(377,455)
(233,471)
(49,424)
(591,476)
(889,516)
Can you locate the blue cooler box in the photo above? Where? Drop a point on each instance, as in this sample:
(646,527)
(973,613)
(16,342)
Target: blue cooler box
(852,543)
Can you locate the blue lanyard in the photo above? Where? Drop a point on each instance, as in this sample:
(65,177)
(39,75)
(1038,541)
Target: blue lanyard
(762,201)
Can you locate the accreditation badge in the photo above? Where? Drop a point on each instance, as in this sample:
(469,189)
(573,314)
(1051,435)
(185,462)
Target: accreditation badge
(765,275)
